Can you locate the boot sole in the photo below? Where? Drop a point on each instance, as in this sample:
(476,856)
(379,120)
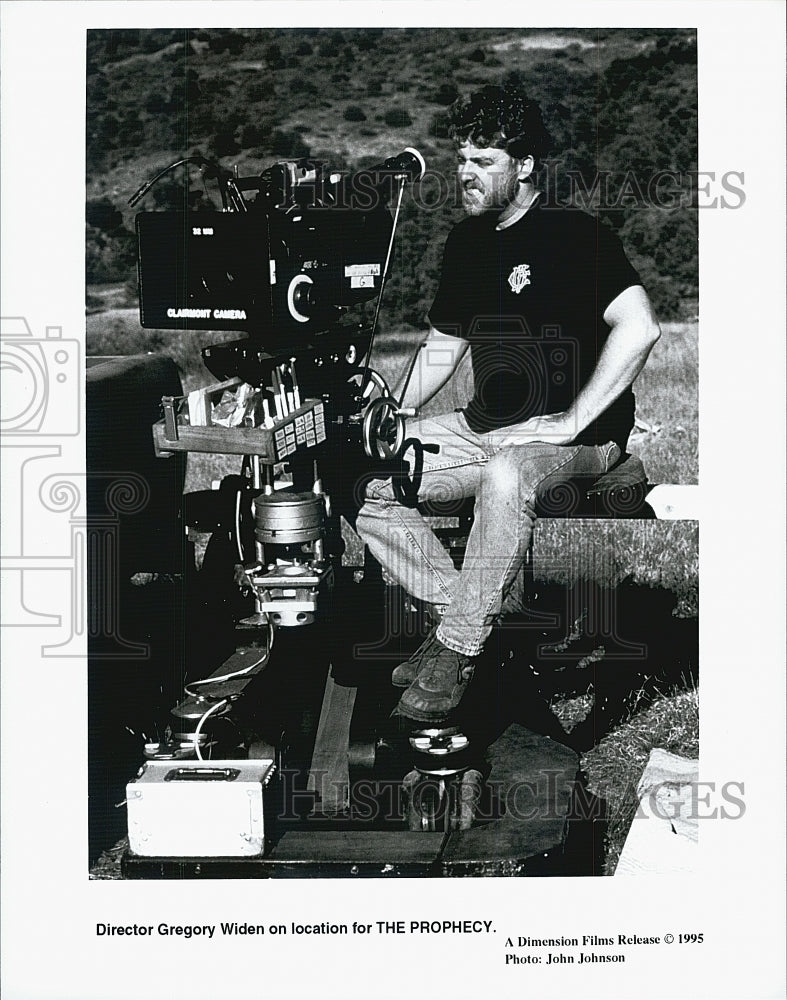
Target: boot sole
(419,716)
(403,685)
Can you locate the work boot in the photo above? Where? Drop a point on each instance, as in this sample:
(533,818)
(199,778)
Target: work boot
(439,686)
(404,675)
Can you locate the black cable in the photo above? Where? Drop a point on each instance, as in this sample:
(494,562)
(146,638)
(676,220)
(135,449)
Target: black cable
(382,284)
(149,184)
(210,170)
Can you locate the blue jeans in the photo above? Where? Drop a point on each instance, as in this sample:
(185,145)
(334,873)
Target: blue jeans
(506,483)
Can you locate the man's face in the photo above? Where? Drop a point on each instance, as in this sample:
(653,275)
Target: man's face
(489,178)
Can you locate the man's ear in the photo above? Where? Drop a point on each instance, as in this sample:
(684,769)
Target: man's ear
(526,166)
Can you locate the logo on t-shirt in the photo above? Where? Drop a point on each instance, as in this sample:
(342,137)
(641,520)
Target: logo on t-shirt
(519,277)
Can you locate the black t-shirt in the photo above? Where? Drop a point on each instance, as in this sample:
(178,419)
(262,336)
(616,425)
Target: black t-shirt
(530,299)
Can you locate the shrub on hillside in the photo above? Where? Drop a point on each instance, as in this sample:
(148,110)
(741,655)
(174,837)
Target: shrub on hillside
(131,131)
(274,57)
(398,117)
(446,94)
(102,214)
(109,256)
(169,195)
(254,135)
(186,87)
(352,113)
(224,144)
(367,39)
(258,89)
(227,41)
(156,104)
(330,47)
(102,130)
(303,85)
(288,144)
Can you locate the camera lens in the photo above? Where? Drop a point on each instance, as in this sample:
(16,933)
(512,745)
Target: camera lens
(300,298)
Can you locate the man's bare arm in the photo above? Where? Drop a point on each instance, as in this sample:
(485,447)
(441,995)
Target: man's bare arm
(436,361)
(633,332)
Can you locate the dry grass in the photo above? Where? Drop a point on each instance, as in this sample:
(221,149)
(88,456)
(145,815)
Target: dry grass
(658,554)
(107,865)
(614,767)
(667,434)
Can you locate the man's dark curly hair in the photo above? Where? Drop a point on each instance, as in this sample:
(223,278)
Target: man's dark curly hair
(502,117)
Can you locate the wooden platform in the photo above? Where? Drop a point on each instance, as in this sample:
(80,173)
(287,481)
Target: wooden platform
(533,779)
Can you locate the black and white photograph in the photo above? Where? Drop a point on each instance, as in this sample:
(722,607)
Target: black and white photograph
(375,396)
(439,575)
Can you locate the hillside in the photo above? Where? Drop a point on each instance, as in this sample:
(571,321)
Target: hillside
(621,106)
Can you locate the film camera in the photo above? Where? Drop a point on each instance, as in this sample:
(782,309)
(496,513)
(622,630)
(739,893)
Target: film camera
(282,267)
(293,251)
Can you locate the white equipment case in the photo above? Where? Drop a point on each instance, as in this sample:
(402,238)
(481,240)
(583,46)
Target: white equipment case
(198,809)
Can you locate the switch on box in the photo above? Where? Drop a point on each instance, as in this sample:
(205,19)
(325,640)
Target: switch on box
(198,809)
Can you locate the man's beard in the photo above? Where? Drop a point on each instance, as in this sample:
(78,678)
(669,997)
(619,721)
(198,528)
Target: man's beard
(478,201)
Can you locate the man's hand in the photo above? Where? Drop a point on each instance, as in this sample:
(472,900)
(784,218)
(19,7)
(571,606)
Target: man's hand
(551,428)
(633,332)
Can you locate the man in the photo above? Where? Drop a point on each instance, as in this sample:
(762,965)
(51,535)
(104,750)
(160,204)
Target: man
(559,327)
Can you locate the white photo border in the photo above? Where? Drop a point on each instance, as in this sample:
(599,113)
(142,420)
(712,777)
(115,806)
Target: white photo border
(50,909)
